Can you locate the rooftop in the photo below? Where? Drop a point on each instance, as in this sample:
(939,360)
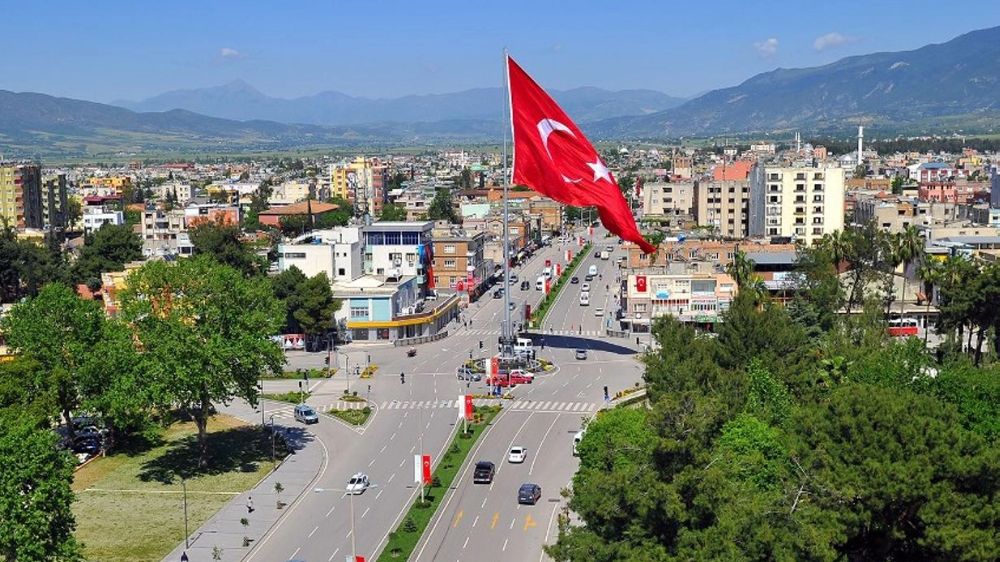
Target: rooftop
(301,208)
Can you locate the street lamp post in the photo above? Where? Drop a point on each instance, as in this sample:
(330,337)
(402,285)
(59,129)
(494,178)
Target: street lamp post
(354,548)
(187,544)
(272,440)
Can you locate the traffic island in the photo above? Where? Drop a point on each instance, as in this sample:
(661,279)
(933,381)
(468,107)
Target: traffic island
(294,397)
(403,540)
(357,417)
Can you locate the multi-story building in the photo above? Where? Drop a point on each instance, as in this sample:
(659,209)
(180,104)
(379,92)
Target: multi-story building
(110,185)
(337,252)
(94,217)
(695,298)
(995,189)
(723,205)
(933,172)
(550,213)
(947,191)
(670,203)
(362,182)
(459,261)
(799,203)
(395,249)
(895,214)
(21,202)
(55,204)
(291,191)
(164,233)
(180,191)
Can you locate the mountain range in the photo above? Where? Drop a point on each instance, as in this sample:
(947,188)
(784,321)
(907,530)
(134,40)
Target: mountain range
(240,101)
(939,88)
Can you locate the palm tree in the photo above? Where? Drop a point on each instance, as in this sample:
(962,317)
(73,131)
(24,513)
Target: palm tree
(930,272)
(740,268)
(909,246)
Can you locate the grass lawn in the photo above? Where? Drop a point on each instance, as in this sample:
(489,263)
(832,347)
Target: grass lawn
(404,539)
(129,505)
(355,417)
(294,397)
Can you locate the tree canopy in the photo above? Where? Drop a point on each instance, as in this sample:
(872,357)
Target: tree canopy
(441,208)
(109,248)
(224,243)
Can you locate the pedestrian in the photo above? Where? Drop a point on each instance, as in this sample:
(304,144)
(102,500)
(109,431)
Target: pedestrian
(249,504)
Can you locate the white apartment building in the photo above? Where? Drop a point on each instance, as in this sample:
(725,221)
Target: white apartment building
(181,189)
(336,252)
(800,203)
(164,233)
(96,217)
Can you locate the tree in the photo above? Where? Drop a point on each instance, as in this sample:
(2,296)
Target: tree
(36,522)
(25,266)
(203,330)
(930,273)
(393,212)
(59,330)
(741,269)
(309,302)
(109,248)
(909,246)
(224,243)
(441,208)
(860,171)
(897,185)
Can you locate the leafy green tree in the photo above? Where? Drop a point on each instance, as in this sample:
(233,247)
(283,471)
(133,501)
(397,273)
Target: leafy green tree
(393,212)
(36,522)
(224,243)
(24,386)
(109,248)
(59,330)
(25,266)
(897,185)
(441,207)
(203,330)
(309,303)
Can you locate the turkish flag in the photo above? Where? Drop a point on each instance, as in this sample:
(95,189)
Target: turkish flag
(427,468)
(552,156)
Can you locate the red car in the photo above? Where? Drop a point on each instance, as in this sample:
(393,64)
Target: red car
(508,380)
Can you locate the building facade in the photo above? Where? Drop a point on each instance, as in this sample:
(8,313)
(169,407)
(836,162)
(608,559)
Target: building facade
(396,249)
(799,203)
(671,203)
(55,204)
(164,233)
(362,182)
(21,202)
(723,205)
(695,298)
(459,261)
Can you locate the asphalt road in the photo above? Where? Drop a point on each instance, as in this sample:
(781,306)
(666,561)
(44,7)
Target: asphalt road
(420,415)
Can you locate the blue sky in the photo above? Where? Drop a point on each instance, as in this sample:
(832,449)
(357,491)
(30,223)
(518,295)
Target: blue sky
(108,50)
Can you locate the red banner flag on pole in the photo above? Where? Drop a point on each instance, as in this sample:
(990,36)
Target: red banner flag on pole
(427,469)
(468,407)
(552,156)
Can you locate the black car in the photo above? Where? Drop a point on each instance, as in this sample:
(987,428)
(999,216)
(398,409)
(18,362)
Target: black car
(498,294)
(87,446)
(525,286)
(529,493)
(574,280)
(484,472)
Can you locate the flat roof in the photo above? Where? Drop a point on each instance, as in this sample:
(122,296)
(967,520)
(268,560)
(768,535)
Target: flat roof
(772,258)
(384,226)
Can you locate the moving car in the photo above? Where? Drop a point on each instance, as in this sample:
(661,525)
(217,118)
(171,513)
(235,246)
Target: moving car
(581,354)
(585,288)
(525,286)
(584,298)
(467,374)
(513,278)
(529,493)
(598,311)
(483,474)
(305,414)
(357,484)
(540,283)
(574,280)
(522,374)
(517,455)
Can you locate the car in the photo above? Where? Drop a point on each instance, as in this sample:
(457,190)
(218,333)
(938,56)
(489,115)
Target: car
(304,413)
(598,311)
(588,277)
(517,455)
(525,286)
(87,446)
(484,472)
(498,294)
(529,493)
(467,374)
(585,288)
(581,354)
(513,306)
(91,431)
(513,278)
(521,373)
(574,280)
(357,484)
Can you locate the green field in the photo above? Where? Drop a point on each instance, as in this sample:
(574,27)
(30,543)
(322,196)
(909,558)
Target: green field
(130,505)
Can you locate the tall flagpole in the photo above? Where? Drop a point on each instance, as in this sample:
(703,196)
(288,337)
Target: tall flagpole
(506,332)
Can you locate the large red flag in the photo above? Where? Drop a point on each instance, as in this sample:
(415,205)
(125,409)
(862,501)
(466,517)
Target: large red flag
(553,157)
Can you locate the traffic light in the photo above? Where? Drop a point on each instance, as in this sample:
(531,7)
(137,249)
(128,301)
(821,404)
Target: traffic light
(480,344)
(402,378)
(326,360)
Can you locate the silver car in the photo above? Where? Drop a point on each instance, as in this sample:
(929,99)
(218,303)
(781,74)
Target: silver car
(304,413)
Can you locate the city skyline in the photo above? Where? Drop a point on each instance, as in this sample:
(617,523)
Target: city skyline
(130,53)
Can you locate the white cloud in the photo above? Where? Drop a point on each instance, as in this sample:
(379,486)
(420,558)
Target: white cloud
(229,53)
(767,48)
(832,39)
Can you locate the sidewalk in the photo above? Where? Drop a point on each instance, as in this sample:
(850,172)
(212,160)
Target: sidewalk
(224,530)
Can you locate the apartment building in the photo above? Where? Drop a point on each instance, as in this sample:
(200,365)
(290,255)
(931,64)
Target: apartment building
(337,252)
(362,182)
(395,249)
(895,214)
(670,203)
(459,261)
(94,217)
(800,203)
(55,204)
(21,202)
(164,233)
(180,191)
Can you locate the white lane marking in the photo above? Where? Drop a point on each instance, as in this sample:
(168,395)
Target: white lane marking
(484,503)
(296,552)
(401,463)
(331,511)
(505,544)
(367,509)
(330,559)
(547,530)
(404,416)
(512,521)
(393,436)
(382,450)
(511,444)
(313,532)
(474,521)
(371,463)
(466,542)
(390,478)
(537,454)
(379,493)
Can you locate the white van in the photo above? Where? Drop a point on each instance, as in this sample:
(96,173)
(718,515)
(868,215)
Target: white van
(576,441)
(547,273)
(524,348)
(540,283)
(592,271)
(584,298)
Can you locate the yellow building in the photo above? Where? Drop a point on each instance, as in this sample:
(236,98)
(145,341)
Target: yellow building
(117,184)
(21,195)
(802,203)
(361,181)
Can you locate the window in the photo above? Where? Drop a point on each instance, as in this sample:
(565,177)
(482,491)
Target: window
(640,307)
(449,264)
(411,238)
(341,272)
(359,312)
(392,239)
(295,255)
(449,248)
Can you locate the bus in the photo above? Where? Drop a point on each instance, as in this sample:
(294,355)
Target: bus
(903,327)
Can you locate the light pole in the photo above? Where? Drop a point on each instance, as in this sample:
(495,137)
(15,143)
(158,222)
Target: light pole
(347,369)
(354,549)
(272,440)
(187,544)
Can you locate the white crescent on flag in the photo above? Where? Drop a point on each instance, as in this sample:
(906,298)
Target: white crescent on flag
(545,128)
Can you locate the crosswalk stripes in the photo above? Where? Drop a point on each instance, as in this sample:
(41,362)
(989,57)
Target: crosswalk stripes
(584,333)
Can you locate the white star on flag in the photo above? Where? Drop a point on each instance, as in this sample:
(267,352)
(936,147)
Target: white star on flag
(600,170)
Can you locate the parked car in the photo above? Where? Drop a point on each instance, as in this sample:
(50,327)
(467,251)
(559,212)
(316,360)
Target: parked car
(574,280)
(358,484)
(86,446)
(517,455)
(498,294)
(304,413)
(484,472)
(581,354)
(513,278)
(529,493)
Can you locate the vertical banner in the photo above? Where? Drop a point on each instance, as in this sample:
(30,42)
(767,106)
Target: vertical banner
(640,283)
(418,468)
(461,405)
(468,407)
(548,286)
(425,463)
(590,231)
(579,241)
(548,263)
(569,256)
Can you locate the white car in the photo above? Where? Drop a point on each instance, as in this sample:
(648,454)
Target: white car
(358,484)
(598,311)
(517,454)
(585,288)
